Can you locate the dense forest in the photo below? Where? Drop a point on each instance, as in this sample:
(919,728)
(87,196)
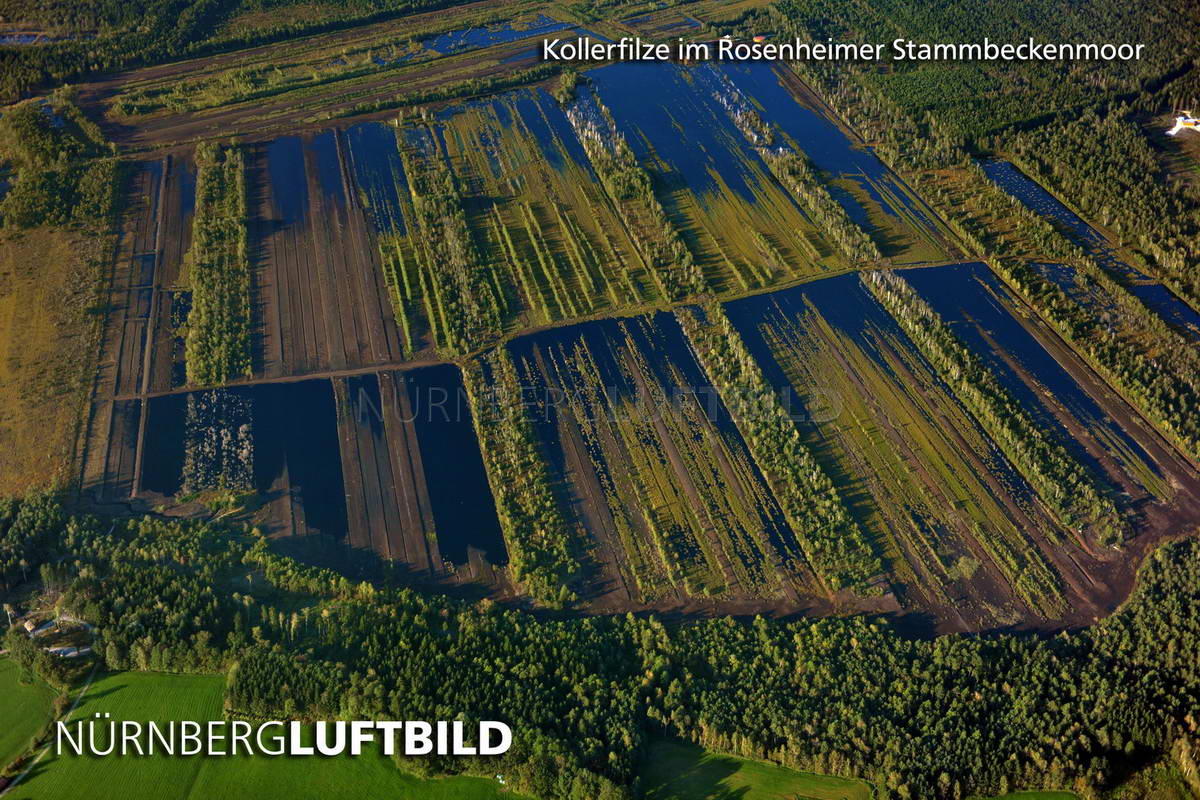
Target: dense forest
(968,100)
(940,718)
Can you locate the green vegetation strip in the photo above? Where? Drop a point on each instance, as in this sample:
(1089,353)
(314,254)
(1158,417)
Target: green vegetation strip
(458,90)
(795,172)
(1169,399)
(1066,487)
(675,770)
(462,304)
(63,175)
(538,535)
(26,701)
(218,325)
(833,543)
(632,190)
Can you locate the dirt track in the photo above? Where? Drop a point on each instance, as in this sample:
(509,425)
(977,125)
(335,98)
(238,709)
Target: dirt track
(263,118)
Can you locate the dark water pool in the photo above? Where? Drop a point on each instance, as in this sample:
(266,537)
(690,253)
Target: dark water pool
(378,173)
(463,512)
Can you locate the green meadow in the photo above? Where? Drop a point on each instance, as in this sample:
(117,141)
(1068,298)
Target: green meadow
(679,771)
(27,707)
(151,696)
(672,770)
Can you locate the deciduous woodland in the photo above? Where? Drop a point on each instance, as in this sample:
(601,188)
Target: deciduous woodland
(840,696)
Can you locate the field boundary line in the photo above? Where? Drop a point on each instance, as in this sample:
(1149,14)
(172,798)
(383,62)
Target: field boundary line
(46,749)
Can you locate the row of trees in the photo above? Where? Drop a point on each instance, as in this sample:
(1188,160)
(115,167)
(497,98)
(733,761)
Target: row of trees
(942,718)
(541,540)
(799,176)
(631,188)
(796,173)
(463,305)
(218,324)
(832,542)
(459,90)
(1066,487)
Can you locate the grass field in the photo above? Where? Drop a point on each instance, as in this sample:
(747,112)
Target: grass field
(146,696)
(47,346)
(680,771)
(26,709)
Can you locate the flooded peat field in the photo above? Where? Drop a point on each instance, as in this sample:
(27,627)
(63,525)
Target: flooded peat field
(745,230)
(1153,294)
(960,529)
(874,196)
(652,468)
(345,275)
(669,504)
(319,298)
(356,435)
(384,465)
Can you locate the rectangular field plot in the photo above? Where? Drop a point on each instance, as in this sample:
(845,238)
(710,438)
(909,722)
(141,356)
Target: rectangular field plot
(670,502)
(970,299)
(963,533)
(415,486)
(108,467)
(742,227)
(318,294)
(905,229)
(385,466)
(173,295)
(489,219)
(539,212)
(272,446)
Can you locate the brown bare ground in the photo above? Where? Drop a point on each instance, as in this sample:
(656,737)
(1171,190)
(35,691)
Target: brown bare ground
(111,429)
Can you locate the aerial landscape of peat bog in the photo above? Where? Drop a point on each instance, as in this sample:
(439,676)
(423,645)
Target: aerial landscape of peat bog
(820,421)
